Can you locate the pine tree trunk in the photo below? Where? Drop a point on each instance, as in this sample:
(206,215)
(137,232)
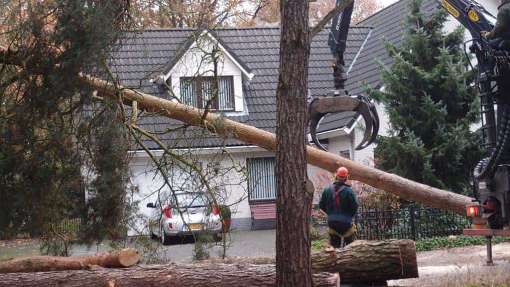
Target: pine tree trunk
(192,275)
(361,262)
(402,187)
(370,261)
(293,266)
(122,258)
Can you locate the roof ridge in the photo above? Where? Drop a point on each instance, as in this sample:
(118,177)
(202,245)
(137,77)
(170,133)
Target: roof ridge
(159,29)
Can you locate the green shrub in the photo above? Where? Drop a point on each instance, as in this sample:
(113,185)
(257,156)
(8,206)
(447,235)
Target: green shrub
(454,241)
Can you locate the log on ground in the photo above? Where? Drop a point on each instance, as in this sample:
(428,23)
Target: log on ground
(190,275)
(370,261)
(122,258)
(360,262)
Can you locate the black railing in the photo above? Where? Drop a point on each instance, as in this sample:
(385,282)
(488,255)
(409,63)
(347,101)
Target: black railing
(410,222)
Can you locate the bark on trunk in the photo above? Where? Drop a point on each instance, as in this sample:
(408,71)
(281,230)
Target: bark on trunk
(358,263)
(122,258)
(370,261)
(404,188)
(293,201)
(192,275)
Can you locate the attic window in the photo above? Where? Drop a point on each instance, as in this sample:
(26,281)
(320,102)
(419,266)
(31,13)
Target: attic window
(198,91)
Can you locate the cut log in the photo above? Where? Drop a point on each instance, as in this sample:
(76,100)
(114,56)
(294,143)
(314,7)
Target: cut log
(404,188)
(122,258)
(358,263)
(192,275)
(370,261)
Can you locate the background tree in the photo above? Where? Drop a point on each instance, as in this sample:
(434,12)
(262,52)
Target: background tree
(431,102)
(193,13)
(267,11)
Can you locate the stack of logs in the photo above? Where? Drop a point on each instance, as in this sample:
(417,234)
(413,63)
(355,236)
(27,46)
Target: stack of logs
(359,263)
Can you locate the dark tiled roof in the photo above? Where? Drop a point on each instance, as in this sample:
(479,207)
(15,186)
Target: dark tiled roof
(388,26)
(142,54)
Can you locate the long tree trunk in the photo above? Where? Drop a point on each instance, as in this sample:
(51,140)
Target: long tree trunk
(359,263)
(402,187)
(122,258)
(293,201)
(191,275)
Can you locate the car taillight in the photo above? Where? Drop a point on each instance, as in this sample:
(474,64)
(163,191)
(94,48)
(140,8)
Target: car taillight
(473,211)
(216,210)
(167,211)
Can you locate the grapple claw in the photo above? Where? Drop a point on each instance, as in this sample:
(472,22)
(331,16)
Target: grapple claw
(322,106)
(369,113)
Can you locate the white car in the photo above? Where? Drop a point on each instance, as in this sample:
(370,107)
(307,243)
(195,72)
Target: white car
(190,215)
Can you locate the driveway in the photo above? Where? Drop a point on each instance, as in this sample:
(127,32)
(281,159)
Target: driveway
(259,243)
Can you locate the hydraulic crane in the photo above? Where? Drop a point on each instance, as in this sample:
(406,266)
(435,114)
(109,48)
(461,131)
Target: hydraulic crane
(492,174)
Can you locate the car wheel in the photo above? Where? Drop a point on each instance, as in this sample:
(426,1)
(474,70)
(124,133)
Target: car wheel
(165,239)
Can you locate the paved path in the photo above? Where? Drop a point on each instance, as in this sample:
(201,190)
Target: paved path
(461,266)
(242,243)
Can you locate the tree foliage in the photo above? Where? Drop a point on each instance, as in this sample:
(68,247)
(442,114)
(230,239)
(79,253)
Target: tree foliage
(43,107)
(268,11)
(431,103)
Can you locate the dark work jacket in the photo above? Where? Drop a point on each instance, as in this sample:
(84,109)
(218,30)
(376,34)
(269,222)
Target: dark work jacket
(347,207)
(502,27)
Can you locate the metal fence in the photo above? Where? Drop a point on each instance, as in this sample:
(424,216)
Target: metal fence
(409,222)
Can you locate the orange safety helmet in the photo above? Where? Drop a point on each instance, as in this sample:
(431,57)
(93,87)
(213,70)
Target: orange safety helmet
(342,172)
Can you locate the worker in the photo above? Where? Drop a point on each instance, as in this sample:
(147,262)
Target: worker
(499,36)
(340,205)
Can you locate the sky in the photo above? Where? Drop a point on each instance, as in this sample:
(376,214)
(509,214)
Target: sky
(385,3)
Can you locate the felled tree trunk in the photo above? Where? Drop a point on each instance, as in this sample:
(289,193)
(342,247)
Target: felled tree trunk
(122,258)
(402,187)
(360,262)
(370,261)
(191,275)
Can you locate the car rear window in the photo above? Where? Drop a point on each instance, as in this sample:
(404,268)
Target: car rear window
(191,200)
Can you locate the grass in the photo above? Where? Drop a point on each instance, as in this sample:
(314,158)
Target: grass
(319,244)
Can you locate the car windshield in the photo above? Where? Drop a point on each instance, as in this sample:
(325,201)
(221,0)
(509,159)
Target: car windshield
(186,200)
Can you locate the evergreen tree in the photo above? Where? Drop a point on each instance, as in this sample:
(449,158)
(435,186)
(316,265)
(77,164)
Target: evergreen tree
(431,102)
(42,106)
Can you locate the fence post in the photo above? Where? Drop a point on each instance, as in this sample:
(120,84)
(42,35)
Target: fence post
(413,226)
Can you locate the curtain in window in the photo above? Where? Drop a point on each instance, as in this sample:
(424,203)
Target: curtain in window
(188,92)
(198,91)
(261,178)
(226,94)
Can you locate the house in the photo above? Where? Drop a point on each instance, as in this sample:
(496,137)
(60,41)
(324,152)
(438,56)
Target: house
(184,65)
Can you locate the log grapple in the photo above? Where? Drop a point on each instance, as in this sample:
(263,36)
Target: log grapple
(340,100)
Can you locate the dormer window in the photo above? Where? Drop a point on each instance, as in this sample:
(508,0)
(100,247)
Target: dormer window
(198,91)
